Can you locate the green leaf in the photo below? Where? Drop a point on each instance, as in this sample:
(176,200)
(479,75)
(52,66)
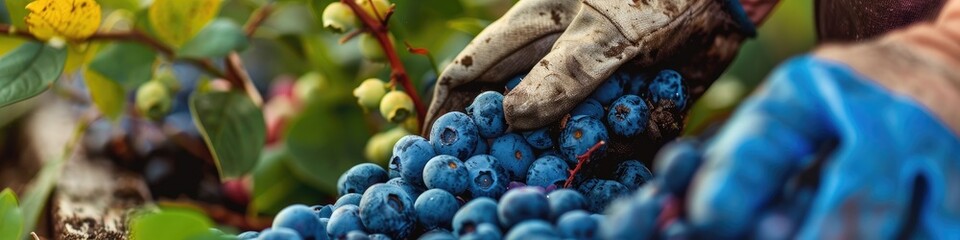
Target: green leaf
(108,95)
(129,64)
(11,219)
(472,26)
(131,5)
(18,13)
(233,128)
(176,21)
(35,199)
(216,40)
(29,70)
(325,140)
(170,223)
(274,188)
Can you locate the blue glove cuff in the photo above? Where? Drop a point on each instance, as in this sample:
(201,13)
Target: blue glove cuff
(736,11)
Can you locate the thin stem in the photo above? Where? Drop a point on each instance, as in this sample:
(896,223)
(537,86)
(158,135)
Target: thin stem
(398,73)
(582,160)
(257,19)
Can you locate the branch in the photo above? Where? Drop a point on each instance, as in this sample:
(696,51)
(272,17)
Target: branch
(398,73)
(258,18)
(582,160)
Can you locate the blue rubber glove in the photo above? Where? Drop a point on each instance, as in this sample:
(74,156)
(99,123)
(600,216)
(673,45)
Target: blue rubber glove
(892,160)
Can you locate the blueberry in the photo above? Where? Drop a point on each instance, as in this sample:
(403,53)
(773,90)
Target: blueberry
(633,218)
(482,148)
(349,199)
(378,236)
(681,230)
(485,231)
(539,139)
(321,233)
(599,193)
(578,224)
(635,84)
(668,86)
(344,220)
(389,210)
(565,200)
(608,90)
(412,191)
(323,211)
(476,212)
(454,134)
(248,235)
(676,163)
(628,116)
(438,234)
(533,229)
(411,153)
(360,177)
(522,204)
(579,135)
(588,107)
(514,82)
(279,234)
(435,208)
(393,167)
(447,173)
(514,154)
(632,174)
(546,171)
(300,218)
(487,177)
(487,113)
(357,235)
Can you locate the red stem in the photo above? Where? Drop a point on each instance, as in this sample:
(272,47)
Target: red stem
(398,72)
(582,160)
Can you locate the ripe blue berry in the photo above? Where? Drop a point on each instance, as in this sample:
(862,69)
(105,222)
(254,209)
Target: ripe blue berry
(412,191)
(632,174)
(349,199)
(482,148)
(279,234)
(435,208)
(668,86)
(357,235)
(522,204)
(438,234)
(389,210)
(476,212)
(578,224)
(344,220)
(635,84)
(580,134)
(599,193)
(676,164)
(411,153)
(628,116)
(514,154)
(323,211)
(539,139)
(447,173)
(533,229)
(321,233)
(248,235)
(588,107)
(300,218)
(360,177)
(485,231)
(565,200)
(608,90)
(546,171)
(487,177)
(487,113)
(378,236)
(454,134)
(633,218)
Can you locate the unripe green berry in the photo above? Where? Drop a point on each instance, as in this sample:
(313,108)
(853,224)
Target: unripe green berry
(339,18)
(412,124)
(153,100)
(382,8)
(397,106)
(380,147)
(370,48)
(370,92)
(309,86)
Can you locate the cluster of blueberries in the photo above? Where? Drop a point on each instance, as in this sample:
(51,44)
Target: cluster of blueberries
(472,179)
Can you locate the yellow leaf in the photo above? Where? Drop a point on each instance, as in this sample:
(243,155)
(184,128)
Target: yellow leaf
(177,21)
(71,19)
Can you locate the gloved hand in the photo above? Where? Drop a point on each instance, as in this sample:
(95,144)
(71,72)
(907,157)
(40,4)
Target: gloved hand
(890,105)
(573,46)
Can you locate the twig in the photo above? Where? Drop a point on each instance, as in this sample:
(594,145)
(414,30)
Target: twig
(425,52)
(582,160)
(257,19)
(398,73)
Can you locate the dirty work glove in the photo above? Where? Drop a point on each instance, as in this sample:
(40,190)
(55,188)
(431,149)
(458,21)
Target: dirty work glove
(890,105)
(573,46)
